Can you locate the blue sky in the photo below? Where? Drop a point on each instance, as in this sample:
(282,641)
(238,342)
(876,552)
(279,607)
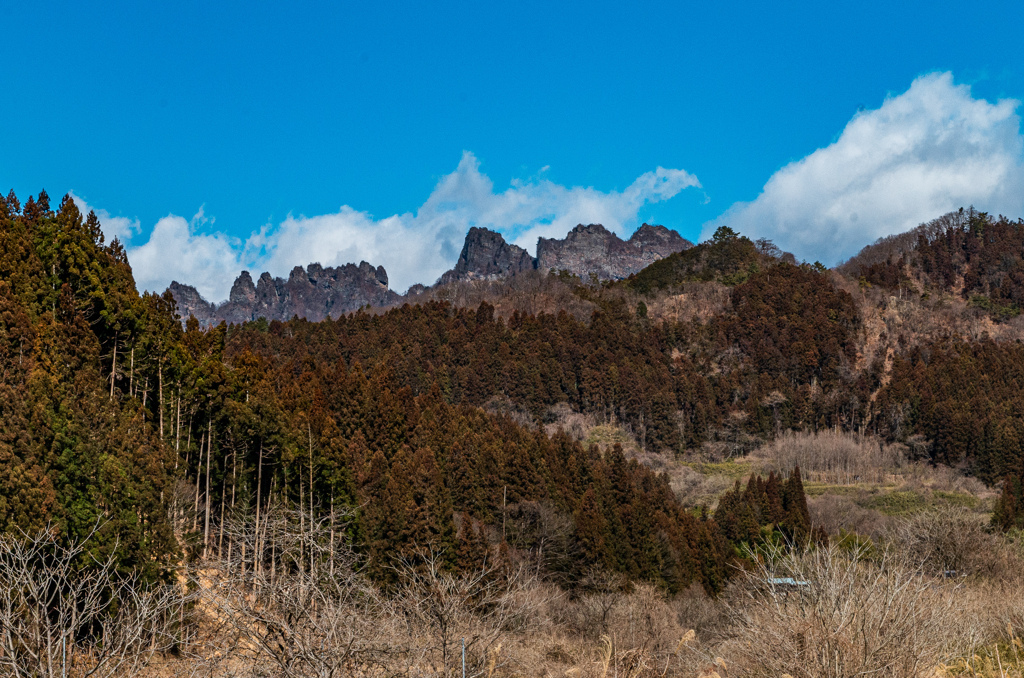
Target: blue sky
(265,136)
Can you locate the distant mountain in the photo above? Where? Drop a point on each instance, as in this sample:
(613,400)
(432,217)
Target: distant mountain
(314,293)
(586,250)
(595,249)
(485,254)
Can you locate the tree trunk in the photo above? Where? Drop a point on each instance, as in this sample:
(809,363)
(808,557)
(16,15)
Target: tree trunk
(188,442)
(259,490)
(177,434)
(310,431)
(223,494)
(266,525)
(160,399)
(302,524)
(199,474)
(209,444)
(113,369)
(234,475)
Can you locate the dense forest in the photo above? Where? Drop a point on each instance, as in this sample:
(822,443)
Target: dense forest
(960,394)
(426,422)
(113,409)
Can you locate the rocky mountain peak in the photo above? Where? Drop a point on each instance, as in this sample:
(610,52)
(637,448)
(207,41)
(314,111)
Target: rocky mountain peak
(486,255)
(314,293)
(586,249)
(243,291)
(593,249)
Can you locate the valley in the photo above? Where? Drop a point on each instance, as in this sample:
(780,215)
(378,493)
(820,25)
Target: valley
(606,465)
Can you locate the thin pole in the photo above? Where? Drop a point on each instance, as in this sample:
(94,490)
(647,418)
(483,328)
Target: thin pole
(256,552)
(113,368)
(209,444)
(463,658)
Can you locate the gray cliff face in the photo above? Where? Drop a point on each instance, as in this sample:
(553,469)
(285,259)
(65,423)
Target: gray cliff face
(486,255)
(314,293)
(657,242)
(191,303)
(595,250)
(585,250)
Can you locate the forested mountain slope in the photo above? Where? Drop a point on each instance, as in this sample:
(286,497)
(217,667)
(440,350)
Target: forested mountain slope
(115,414)
(424,421)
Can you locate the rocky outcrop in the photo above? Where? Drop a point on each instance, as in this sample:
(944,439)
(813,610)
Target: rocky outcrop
(585,250)
(657,242)
(595,250)
(314,293)
(191,303)
(486,255)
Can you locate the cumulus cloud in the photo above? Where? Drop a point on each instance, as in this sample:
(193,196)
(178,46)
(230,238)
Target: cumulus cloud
(177,250)
(927,151)
(414,247)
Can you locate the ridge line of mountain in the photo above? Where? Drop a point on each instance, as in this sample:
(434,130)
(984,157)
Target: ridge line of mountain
(316,292)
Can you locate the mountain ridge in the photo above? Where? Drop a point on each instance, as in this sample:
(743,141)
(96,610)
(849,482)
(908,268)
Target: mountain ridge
(317,293)
(314,292)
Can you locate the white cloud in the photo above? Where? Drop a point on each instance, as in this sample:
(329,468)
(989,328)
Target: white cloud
(413,248)
(176,250)
(925,152)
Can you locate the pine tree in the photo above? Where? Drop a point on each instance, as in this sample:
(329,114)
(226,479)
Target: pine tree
(794,502)
(472,545)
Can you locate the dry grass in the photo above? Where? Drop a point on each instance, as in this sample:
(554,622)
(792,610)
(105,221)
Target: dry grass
(870,609)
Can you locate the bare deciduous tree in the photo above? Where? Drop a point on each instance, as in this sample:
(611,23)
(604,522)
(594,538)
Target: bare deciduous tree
(479,607)
(304,609)
(62,615)
(951,542)
(832,456)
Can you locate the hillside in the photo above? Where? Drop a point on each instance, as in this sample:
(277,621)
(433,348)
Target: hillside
(640,436)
